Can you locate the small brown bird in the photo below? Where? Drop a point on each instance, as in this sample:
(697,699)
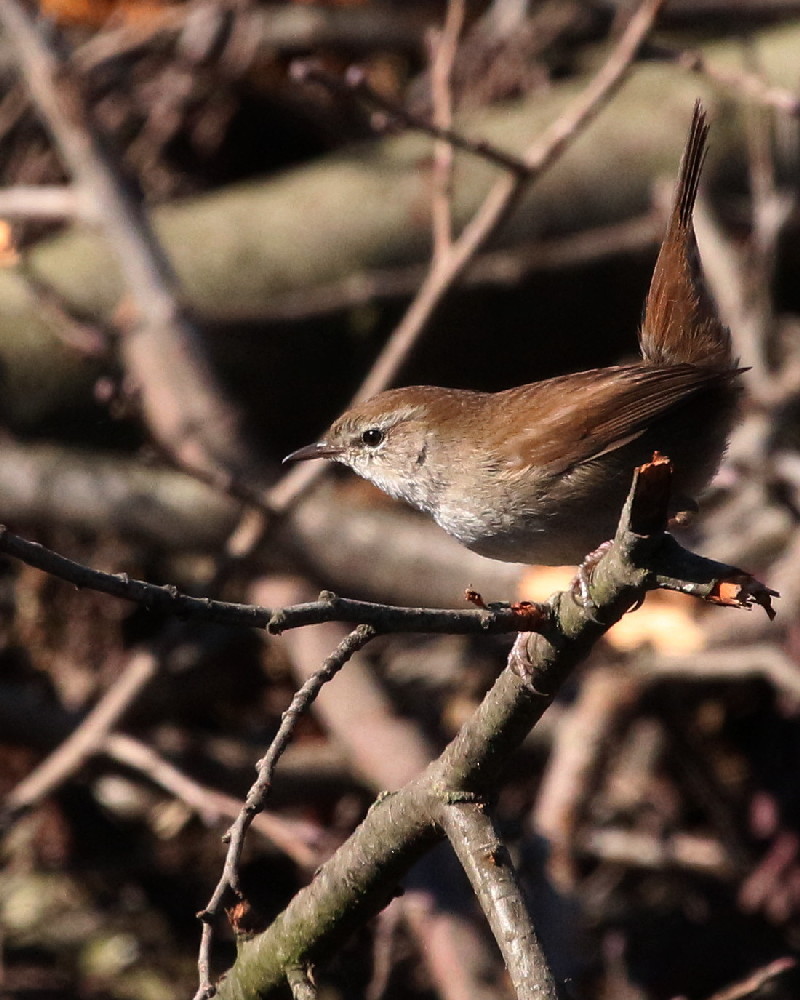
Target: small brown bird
(539,473)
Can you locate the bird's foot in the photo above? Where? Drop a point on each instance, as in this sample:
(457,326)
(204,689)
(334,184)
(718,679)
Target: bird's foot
(580,582)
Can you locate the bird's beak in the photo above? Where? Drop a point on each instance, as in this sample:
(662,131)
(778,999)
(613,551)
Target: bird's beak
(318,450)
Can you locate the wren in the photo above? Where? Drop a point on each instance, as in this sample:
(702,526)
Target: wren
(539,473)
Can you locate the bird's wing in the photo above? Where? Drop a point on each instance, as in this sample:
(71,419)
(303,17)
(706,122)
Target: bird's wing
(576,418)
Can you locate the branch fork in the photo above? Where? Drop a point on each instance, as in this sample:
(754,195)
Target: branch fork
(449,799)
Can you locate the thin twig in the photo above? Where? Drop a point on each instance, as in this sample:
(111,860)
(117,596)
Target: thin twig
(503,196)
(384,747)
(388,749)
(495,618)
(745,83)
(329,607)
(254,803)
(354,84)
(445,45)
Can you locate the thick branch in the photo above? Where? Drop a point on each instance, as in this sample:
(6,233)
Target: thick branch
(488,866)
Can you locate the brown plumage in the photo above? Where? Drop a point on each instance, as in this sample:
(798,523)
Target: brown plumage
(539,473)
(679,321)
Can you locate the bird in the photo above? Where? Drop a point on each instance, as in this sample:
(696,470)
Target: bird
(538,473)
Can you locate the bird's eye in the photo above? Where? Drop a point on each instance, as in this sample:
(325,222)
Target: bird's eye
(372,437)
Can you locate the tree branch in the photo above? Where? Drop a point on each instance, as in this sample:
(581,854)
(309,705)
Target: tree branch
(486,861)
(256,797)
(360,878)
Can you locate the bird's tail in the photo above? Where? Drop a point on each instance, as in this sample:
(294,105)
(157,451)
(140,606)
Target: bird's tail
(680,323)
